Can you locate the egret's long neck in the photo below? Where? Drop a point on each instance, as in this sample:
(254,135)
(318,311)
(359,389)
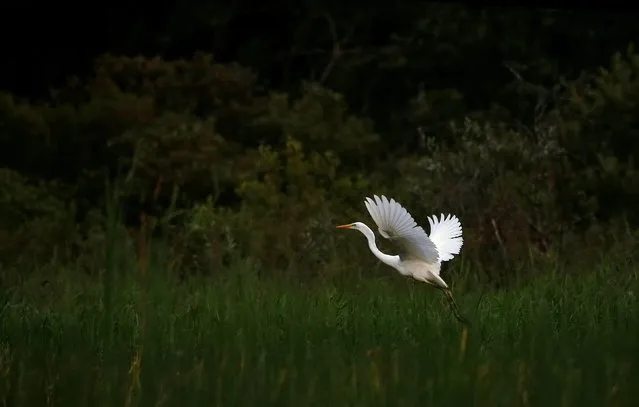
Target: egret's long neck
(385,258)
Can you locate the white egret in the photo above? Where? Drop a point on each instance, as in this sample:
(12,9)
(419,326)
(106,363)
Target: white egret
(420,255)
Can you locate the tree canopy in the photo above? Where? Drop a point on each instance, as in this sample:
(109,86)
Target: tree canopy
(252,130)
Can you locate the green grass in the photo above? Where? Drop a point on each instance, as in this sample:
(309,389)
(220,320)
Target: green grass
(556,340)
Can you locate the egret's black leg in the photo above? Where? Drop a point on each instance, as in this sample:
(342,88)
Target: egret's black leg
(455,309)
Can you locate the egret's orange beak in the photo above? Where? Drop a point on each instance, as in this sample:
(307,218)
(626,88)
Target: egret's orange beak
(350,225)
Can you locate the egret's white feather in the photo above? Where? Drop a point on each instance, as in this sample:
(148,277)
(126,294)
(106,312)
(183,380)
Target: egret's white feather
(395,223)
(446,233)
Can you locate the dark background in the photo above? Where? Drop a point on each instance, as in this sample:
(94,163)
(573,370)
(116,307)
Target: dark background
(381,97)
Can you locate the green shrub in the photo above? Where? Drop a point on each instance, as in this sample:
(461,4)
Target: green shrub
(229,170)
(36,220)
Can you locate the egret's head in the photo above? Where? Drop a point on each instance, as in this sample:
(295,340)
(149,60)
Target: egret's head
(356,225)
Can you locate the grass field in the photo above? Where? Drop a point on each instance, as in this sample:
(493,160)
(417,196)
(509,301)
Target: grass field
(558,340)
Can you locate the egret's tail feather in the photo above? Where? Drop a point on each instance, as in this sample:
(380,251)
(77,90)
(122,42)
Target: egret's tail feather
(455,309)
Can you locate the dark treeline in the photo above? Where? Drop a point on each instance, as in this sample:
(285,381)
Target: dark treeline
(249,131)
(292,42)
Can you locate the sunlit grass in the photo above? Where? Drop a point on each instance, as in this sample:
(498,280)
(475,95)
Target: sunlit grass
(562,340)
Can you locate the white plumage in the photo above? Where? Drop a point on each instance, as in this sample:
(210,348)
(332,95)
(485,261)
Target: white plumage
(446,234)
(421,254)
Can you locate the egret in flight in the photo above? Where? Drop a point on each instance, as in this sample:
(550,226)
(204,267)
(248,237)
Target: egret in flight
(421,255)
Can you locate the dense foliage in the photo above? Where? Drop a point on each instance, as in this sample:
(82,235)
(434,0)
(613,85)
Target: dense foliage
(532,147)
(242,342)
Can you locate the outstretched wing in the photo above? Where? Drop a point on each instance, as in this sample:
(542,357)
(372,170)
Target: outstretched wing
(446,234)
(396,224)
